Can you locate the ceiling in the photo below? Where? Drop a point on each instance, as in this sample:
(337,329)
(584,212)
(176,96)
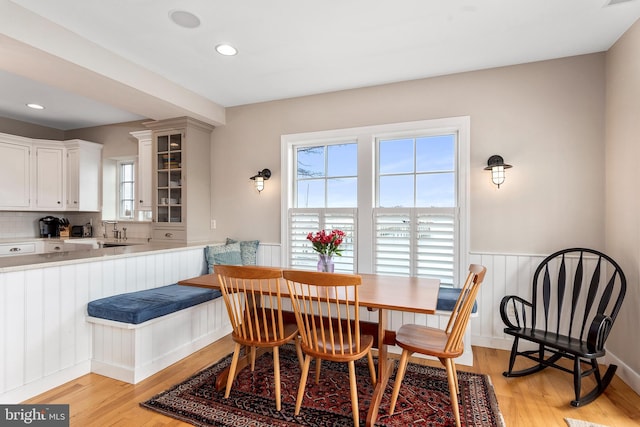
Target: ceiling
(286,48)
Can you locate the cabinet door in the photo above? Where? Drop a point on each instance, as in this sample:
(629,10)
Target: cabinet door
(84,174)
(145,175)
(15,176)
(169,179)
(49,178)
(73,179)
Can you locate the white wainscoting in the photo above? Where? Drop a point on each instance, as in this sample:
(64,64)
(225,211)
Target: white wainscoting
(46,340)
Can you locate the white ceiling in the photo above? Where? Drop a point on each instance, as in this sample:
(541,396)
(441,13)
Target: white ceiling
(290,48)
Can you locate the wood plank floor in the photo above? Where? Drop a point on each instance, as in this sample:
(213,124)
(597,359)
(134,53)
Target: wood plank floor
(538,400)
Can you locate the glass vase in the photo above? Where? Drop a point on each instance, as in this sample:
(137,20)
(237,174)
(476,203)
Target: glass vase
(325,263)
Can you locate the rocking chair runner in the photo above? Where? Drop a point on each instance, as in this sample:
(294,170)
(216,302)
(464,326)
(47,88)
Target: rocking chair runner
(577,294)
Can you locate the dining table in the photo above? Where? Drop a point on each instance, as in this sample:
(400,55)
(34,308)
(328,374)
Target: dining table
(378,293)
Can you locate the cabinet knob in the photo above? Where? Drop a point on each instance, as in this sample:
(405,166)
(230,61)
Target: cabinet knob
(168,235)
(58,201)
(15,249)
(140,201)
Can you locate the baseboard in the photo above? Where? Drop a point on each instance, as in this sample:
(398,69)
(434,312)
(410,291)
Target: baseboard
(35,388)
(139,373)
(626,374)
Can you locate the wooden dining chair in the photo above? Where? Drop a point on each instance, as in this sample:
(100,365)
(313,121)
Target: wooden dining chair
(445,344)
(252,297)
(327,311)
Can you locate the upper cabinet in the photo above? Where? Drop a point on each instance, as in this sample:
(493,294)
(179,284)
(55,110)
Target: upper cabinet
(144,178)
(42,175)
(49,178)
(84,166)
(15,174)
(181,180)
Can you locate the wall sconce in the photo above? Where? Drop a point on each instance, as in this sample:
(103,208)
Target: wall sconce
(260,178)
(496,165)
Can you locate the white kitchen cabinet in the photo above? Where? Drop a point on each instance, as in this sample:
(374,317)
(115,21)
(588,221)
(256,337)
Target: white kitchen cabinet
(144,178)
(181,180)
(49,177)
(83,175)
(45,175)
(15,173)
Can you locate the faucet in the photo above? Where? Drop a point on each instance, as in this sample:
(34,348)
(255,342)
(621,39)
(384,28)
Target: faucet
(116,232)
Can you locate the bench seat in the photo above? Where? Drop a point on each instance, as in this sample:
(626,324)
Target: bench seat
(447,298)
(138,307)
(137,334)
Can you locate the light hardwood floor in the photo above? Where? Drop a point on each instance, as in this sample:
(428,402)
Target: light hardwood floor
(538,400)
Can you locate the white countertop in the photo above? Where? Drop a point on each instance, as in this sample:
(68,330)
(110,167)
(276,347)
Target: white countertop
(134,247)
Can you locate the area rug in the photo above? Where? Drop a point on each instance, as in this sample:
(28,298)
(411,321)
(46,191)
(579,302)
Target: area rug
(579,423)
(424,397)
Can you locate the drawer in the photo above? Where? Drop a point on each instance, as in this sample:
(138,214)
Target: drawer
(169,234)
(54,247)
(17,249)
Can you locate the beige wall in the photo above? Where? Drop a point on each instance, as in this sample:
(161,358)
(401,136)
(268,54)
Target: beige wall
(545,118)
(116,138)
(623,184)
(28,130)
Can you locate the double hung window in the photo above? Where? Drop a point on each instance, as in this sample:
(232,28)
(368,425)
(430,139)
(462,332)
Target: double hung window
(398,191)
(126,188)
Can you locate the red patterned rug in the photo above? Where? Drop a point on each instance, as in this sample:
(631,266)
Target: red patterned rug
(423,400)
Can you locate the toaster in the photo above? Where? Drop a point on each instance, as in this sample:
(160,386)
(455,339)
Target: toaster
(77,231)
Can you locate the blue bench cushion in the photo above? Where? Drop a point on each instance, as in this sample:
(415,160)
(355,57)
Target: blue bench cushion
(447,298)
(140,306)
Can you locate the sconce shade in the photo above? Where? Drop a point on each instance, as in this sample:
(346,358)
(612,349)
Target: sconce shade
(260,178)
(497,166)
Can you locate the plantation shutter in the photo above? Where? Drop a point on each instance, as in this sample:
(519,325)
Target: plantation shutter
(305,221)
(430,253)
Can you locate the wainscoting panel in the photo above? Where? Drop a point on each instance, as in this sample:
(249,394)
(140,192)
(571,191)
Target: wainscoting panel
(45,337)
(506,275)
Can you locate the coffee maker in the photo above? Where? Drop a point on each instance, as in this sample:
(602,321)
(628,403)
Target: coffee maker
(49,227)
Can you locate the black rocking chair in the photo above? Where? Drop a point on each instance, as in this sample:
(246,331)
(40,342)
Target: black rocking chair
(577,294)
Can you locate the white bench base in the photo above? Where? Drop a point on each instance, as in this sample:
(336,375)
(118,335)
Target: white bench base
(131,353)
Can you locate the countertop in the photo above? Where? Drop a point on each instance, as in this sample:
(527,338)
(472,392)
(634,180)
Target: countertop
(133,246)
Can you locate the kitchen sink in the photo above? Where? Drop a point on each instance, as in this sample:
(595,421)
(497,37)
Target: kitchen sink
(112,245)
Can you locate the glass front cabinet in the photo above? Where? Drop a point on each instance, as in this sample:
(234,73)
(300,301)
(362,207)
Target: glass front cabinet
(181,180)
(169,178)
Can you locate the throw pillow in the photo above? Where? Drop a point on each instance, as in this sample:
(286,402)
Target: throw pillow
(248,250)
(223,254)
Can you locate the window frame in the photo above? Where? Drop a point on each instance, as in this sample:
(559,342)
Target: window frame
(119,181)
(366,138)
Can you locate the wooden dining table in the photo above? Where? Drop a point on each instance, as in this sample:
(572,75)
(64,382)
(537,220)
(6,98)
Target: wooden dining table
(377,293)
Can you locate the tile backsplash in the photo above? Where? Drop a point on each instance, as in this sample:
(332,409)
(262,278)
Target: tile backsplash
(27,224)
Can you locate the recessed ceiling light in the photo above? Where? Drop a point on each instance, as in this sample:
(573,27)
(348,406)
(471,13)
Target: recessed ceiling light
(35,106)
(226,50)
(184,19)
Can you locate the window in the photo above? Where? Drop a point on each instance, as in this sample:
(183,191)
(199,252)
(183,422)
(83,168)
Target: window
(325,198)
(399,191)
(415,215)
(126,188)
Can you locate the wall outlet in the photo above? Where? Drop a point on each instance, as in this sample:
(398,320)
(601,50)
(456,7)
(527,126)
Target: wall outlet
(213,224)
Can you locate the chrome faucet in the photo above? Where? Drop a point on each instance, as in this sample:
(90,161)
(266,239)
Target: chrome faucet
(116,232)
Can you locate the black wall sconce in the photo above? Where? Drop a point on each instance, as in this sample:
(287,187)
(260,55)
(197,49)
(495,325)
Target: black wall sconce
(496,165)
(260,178)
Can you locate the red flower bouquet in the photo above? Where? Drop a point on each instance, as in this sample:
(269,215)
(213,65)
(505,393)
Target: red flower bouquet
(327,243)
